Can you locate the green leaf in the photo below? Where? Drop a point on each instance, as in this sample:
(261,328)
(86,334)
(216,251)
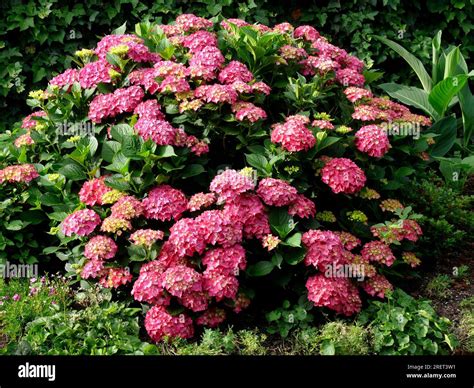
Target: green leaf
(281,222)
(452,62)
(120,30)
(131,146)
(120,131)
(295,256)
(294,240)
(411,96)
(446,127)
(165,152)
(444,92)
(117,182)
(259,162)
(413,61)
(261,268)
(109,149)
(327,348)
(73,172)
(192,170)
(14,225)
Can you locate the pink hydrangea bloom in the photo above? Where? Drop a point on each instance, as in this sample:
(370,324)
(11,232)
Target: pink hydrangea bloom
(261,87)
(343,176)
(324,249)
(81,222)
(338,294)
(308,33)
(24,140)
(241,302)
(94,73)
(348,240)
(283,27)
(116,225)
(189,22)
(231,183)
(235,71)
(377,286)
(146,237)
(293,134)
(212,317)
(302,207)
(379,252)
(227,261)
(216,227)
(115,277)
(92,191)
(19,173)
(148,288)
(197,41)
(411,230)
(289,52)
(216,94)
(276,192)
(249,211)
(127,207)
(209,56)
(322,124)
(112,104)
(159,324)
(100,248)
(201,200)
(180,279)
(186,238)
(195,300)
(92,269)
(350,77)
(372,140)
(149,109)
(219,285)
(160,131)
(248,111)
(66,78)
(29,122)
(164,203)
(354,94)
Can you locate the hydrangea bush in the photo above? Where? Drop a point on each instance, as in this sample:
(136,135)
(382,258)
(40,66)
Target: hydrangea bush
(196,165)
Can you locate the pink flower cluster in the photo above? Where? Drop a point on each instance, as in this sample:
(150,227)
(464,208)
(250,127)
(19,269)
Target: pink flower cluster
(293,134)
(112,104)
(343,176)
(92,191)
(19,173)
(372,140)
(339,295)
(81,222)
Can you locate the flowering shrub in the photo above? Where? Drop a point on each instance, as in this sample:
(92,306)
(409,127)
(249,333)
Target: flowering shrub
(188,161)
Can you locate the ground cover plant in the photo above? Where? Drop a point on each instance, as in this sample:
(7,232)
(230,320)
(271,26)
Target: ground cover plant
(212,172)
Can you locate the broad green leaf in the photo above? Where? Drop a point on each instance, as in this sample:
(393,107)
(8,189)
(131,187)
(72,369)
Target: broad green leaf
(444,92)
(452,62)
(119,131)
(294,240)
(446,127)
(415,97)
(120,30)
(413,61)
(259,162)
(281,222)
(73,172)
(261,268)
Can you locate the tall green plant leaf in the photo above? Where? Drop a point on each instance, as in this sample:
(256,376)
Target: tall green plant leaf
(415,97)
(444,91)
(413,61)
(446,127)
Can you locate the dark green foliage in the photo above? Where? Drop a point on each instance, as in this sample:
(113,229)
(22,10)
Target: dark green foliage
(407,326)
